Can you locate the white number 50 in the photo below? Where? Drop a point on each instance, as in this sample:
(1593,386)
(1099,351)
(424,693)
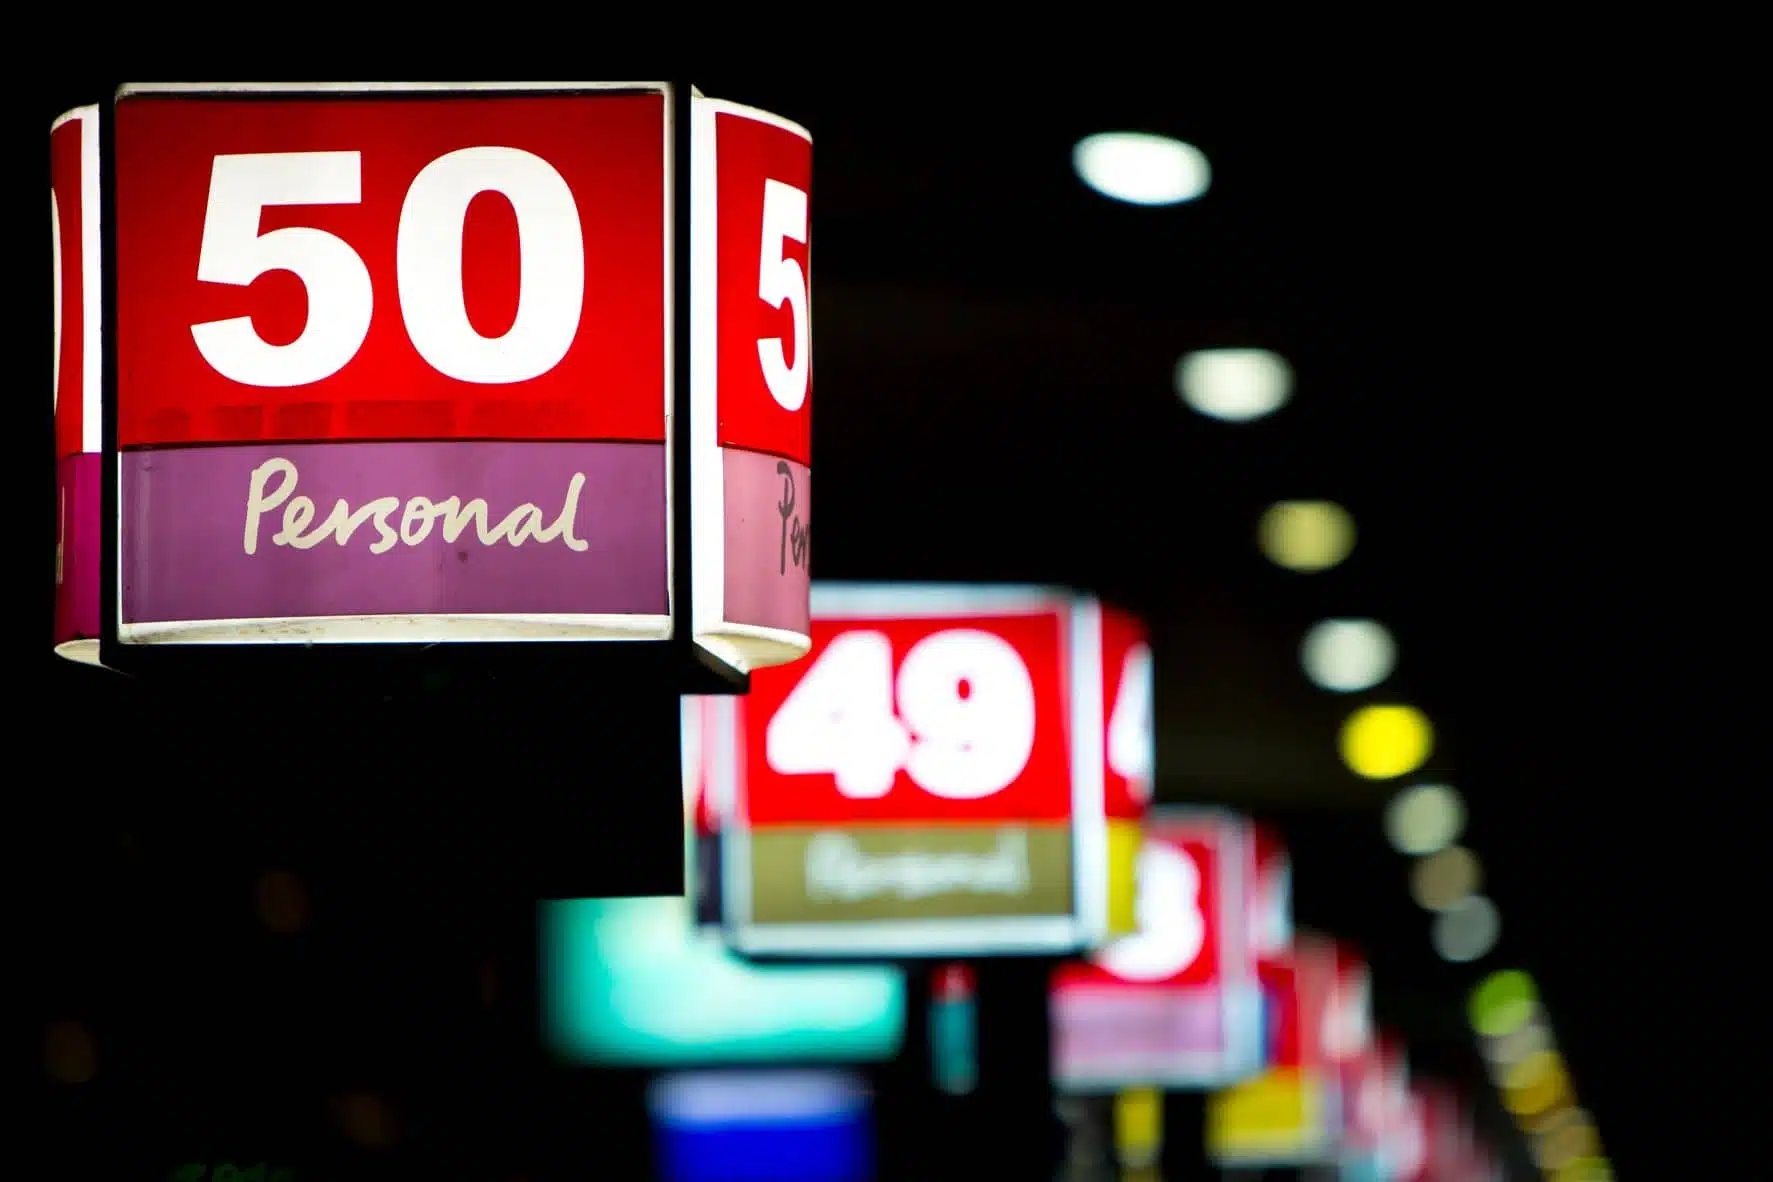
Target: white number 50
(780,278)
(428,254)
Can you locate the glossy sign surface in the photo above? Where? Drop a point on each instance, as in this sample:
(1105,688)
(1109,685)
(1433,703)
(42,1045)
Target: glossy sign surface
(752,382)
(78,307)
(930,780)
(1173,1004)
(392,365)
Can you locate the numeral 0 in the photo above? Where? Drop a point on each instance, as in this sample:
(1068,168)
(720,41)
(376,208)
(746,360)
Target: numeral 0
(963,728)
(428,252)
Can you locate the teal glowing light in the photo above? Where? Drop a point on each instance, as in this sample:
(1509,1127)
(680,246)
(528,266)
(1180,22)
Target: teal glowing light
(633,981)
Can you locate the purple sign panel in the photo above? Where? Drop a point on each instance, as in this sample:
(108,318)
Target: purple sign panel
(555,540)
(1116,1037)
(77,520)
(769,538)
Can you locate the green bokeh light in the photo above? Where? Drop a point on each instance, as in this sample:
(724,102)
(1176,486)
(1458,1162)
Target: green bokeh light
(1502,1003)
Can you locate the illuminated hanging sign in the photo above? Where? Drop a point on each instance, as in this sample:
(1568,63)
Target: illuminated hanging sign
(1284,1115)
(79,438)
(1128,779)
(933,778)
(415,363)
(1175,1004)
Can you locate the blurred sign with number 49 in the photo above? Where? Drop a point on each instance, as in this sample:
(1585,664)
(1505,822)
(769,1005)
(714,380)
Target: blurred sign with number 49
(950,771)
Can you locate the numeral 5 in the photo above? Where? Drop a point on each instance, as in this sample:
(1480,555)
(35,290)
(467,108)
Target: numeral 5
(963,728)
(428,250)
(781,279)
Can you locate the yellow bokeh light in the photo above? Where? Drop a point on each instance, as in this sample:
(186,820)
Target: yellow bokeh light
(1306,536)
(1572,1141)
(1587,1169)
(1381,742)
(1536,1084)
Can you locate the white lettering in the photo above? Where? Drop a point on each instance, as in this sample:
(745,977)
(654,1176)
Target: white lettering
(417,515)
(838,869)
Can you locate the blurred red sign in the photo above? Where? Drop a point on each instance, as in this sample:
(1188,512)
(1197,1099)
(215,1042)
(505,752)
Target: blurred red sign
(935,776)
(1173,1004)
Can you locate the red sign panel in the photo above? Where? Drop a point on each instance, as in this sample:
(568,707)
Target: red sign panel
(1445,1152)
(309,268)
(1186,874)
(763,174)
(939,719)
(1174,1004)
(73,175)
(1271,896)
(751,371)
(1127,692)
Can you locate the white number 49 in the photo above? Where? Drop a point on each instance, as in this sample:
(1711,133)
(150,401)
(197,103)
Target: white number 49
(963,728)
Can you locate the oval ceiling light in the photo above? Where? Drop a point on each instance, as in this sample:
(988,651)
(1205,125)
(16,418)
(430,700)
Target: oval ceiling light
(1306,536)
(1347,656)
(1383,742)
(1503,1003)
(1234,385)
(1443,880)
(1467,930)
(1424,819)
(1141,169)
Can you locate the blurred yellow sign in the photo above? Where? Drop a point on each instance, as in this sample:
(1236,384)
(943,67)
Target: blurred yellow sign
(1279,1115)
(1124,840)
(1138,1126)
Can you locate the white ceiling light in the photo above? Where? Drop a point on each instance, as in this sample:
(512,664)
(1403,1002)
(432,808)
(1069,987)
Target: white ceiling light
(1141,169)
(1467,931)
(1346,656)
(1234,385)
(1424,819)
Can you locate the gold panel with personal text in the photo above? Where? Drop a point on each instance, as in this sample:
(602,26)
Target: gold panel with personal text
(828,875)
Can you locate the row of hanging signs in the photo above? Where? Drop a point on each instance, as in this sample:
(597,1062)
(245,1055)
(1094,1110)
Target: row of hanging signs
(363,364)
(310,389)
(959,772)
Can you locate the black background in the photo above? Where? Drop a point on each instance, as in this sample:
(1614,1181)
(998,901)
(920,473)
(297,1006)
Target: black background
(993,354)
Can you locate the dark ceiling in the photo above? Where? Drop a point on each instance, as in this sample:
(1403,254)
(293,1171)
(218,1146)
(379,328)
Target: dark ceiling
(994,345)
(994,348)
